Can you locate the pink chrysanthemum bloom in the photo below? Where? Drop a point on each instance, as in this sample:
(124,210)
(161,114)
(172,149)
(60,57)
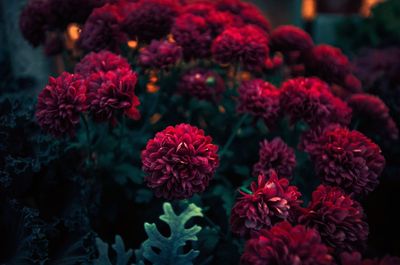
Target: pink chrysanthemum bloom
(355,258)
(271,201)
(276,155)
(310,100)
(179,161)
(33,21)
(290,38)
(150,19)
(260,99)
(247,45)
(103,61)
(194,35)
(109,93)
(339,219)
(60,104)
(347,159)
(373,115)
(202,84)
(102,30)
(159,55)
(285,244)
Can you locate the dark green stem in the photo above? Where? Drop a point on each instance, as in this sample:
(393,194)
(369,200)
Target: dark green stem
(232,136)
(86,125)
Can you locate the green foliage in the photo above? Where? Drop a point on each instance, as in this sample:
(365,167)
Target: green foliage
(122,255)
(170,248)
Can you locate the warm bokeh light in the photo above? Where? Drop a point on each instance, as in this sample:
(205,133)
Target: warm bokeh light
(308,9)
(155,118)
(73,31)
(367,6)
(133,44)
(152,88)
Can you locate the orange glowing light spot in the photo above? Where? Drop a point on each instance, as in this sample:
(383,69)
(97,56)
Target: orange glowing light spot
(153,79)
(133,44)
(155,118)
(152,88)
(73,31)
(170,38)
(308,9)
(367,6)
(245,76)
(221,109)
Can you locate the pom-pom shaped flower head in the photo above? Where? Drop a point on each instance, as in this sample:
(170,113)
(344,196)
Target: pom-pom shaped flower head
(275,155)
(285,244)
(373,115)
(179,162)
(290,38)
(247,46)
(160,55)
(193,34)
(102,30)
(310,100)
(150,19)
(347,159)
(60,104)
(355,258)
(339,219)
(33,21)
(112,92)
(202,84)
(103,61)
(260,99)
(271,200)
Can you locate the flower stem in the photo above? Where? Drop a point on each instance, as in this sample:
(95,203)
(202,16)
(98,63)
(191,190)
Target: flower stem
(87,130)
(232,136)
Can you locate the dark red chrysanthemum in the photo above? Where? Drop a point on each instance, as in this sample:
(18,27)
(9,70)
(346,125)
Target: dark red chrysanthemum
(347,159)
(372,114)
(194,35)
(202,84)
(102,30)
(290,38)
(339,219)
(159,55)
(60,104)
(271,201)
(261,99)
(310,99)
(199,8)
(247,45)
(33,21)
(355,258)
(328,63)
(54,44)
(179,161)
(150,19)
(103,61)
(109,93)
(285,244)
(309,139)
(276,155)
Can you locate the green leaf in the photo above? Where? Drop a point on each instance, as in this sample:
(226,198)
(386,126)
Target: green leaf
(170,248)
(122,255)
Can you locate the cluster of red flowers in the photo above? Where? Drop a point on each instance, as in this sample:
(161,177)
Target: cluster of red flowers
(104,85)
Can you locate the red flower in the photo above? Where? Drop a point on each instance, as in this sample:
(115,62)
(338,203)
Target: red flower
(275,155)
(290,38)
(355,258)
(347,159)
(102,30)
(373,115)
(202,84)
(285,244)
(159,54)
(103,61)
(33,21)
(179,162)
(272,200)
(193,34)
(310,99)
(339,219)
(247,46)
(328,63)
(150,19)
(60,104)
(261,99)
(112,92)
